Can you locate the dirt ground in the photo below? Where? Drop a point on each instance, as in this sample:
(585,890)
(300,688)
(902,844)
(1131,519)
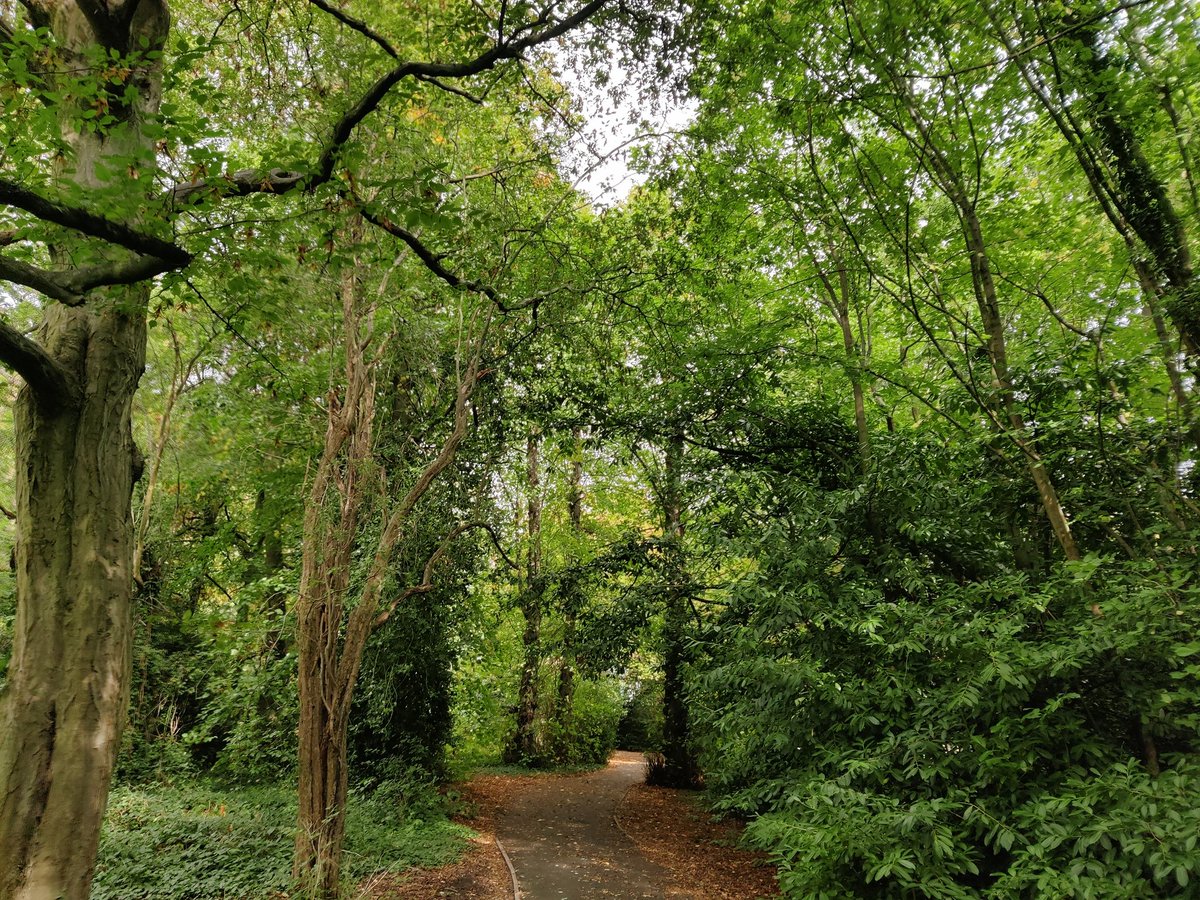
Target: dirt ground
(598,834)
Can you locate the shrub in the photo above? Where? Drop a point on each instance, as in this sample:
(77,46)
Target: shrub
(589,735)
(642,720)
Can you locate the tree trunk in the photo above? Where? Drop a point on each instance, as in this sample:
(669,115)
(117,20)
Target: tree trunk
(323,770)
(68,679)
(566,673)
(679,766)
(989,309)
(329,642)
(524,746)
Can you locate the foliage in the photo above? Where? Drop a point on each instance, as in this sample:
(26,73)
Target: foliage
(199,842)
(898,728)
(589,734)
(641,724)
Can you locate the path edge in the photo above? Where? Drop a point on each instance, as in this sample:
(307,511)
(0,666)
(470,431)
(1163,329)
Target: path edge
(511,871)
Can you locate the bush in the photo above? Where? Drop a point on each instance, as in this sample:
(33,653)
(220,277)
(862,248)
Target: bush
(589,736)
(901,730)
(642,721)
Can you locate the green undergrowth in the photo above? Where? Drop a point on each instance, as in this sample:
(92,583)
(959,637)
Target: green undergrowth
(514,769)
(201,841)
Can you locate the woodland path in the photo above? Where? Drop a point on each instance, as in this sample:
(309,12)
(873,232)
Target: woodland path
(599,834)
(562,837)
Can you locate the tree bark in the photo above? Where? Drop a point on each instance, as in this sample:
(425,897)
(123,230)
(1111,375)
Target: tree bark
(68,679)
(679,764)
(524,746)
(330,642)
(566,672)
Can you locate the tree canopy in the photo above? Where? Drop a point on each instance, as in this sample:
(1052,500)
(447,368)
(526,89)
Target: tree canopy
(846,463)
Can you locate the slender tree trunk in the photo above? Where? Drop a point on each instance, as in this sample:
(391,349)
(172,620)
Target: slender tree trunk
(566,673)
(524,746)
(65,703)
(330,642)
(989,308)
(854,358)
(679,765)
(1080,77)
(331,518)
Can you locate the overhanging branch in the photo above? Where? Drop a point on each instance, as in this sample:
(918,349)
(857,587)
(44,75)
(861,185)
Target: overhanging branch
(92,224)
(42,281)
(71,286)
(357,25)
(433,262)
(501,51)
(242,183)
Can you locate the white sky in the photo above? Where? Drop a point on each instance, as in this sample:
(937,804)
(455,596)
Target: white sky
(617,124)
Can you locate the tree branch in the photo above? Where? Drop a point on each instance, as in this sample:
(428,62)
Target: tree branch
(278,181)
(104,24)
(433,262)
(42,281)
(72,286)
(426,583)
(357,25)
(502,50)
(451,89)
(92,224)
(241,183)
(52,385)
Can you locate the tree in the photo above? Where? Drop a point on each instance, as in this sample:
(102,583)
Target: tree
(90,246)
(330,649)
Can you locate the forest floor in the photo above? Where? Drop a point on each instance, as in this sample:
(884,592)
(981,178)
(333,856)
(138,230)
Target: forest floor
(596,834)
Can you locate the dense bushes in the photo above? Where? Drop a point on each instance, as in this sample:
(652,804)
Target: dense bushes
(902,730)
(589,734)
(642,720)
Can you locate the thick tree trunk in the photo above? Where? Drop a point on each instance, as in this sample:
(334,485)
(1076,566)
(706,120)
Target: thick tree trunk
(68,679)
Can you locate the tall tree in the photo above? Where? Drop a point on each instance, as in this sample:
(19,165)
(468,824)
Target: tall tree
(64,703)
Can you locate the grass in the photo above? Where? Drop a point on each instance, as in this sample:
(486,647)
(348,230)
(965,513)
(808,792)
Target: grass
(206,842)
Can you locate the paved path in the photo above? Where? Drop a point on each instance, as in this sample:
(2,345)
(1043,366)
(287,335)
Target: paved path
(565,845)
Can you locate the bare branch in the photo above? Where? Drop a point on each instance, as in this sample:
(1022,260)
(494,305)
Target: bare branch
(92,224)
(52,385)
